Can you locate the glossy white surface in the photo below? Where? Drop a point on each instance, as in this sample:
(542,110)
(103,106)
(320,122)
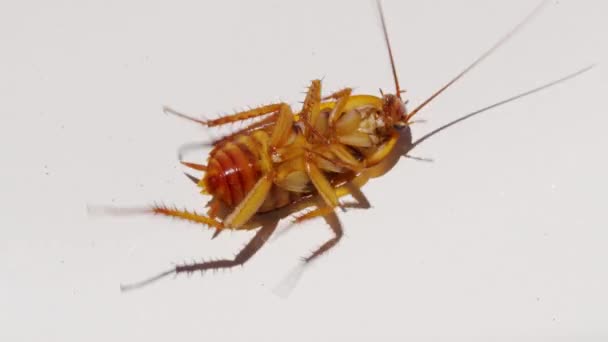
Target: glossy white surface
(503,235)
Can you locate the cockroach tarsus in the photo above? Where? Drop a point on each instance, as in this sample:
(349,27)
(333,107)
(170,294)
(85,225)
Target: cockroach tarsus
(289,161)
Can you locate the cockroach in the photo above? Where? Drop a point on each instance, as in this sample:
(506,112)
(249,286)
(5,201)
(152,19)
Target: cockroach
(287,158)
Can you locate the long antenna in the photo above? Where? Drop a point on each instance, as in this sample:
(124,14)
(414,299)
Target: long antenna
(482,57)
(500,103)
(390,51)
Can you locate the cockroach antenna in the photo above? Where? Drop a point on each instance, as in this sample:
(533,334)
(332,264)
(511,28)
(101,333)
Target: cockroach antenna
(390,51)
(498,44)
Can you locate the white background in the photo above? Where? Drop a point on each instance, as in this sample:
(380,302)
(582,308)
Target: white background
(502,235)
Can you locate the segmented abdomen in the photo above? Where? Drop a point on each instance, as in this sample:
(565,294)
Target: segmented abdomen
(232,169)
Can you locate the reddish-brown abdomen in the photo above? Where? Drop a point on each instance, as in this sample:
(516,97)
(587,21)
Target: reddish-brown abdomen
(232,171)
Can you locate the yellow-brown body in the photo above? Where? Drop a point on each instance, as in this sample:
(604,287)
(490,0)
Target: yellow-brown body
(339,151)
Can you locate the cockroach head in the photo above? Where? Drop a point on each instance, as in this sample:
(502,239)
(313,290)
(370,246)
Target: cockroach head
(394,111)
(392,107)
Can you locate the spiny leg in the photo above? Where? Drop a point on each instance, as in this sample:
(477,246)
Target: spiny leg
(317,212)
(283,127)
(352,187)
(251,203)
(332,219)
(320,209)
(328,193)
(310,129)
(334,223)
(166,211)
(341,98)
(320,182)
(338,94)
(209,220)
(311,109)
(188,216)
(305,205)
(361,202)
(339,155)
(325,210)
(330,163)
(261,124)
(312,102)
(244,115)
(245,254)
(268,121)
(287,285)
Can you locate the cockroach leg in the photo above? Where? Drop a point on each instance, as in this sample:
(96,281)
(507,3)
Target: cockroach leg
(383,151)
(336,161)
(341,98)
(320,182)
(258,240)
(134,286)
(318,212)
(321,210)
(332,220)
(338,94)
(250,204)
(245,254)
(161,210)
(361,200)
(240,116)
(283,127)
(315,132)
(334,223)
(268,121)
(188,216)
(345,157)
(311,108)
